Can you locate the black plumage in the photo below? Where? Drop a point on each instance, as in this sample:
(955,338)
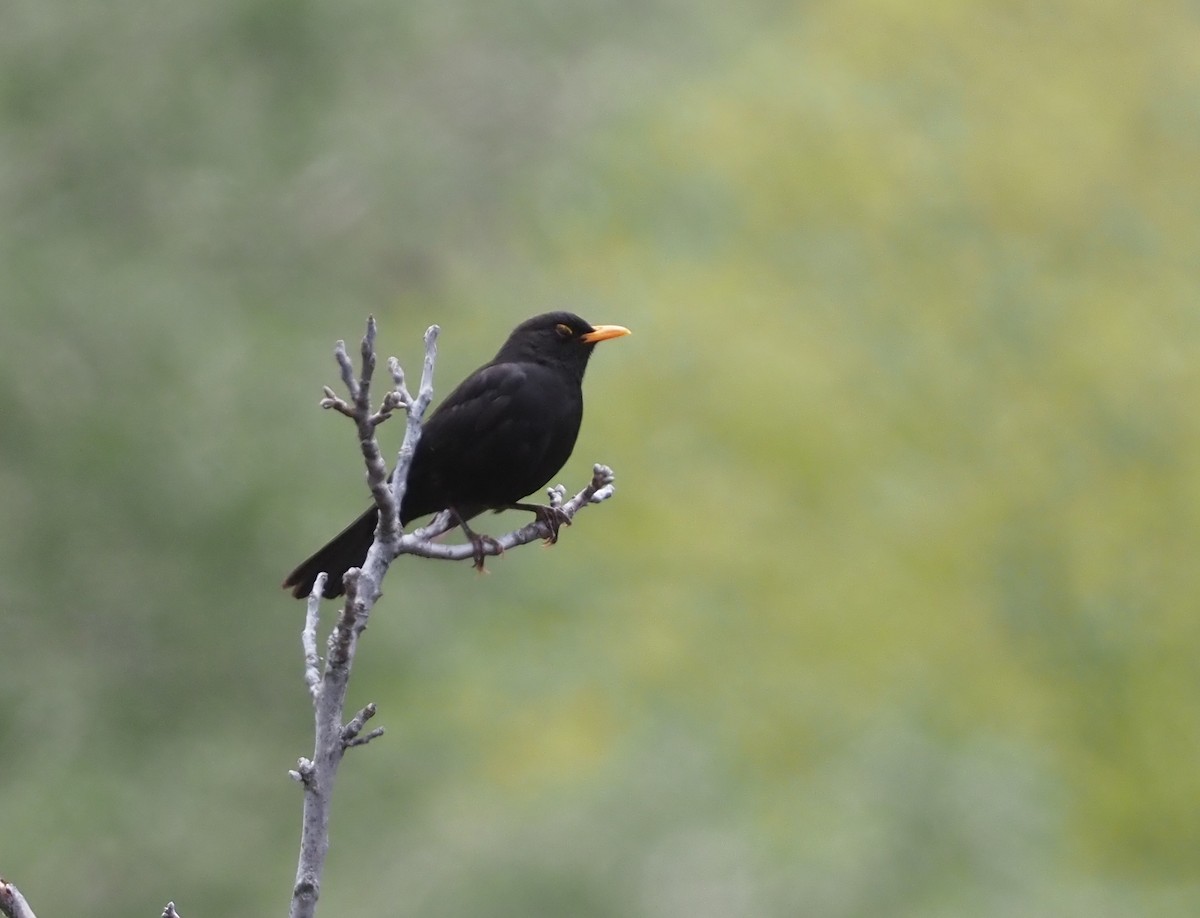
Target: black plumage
(502,434)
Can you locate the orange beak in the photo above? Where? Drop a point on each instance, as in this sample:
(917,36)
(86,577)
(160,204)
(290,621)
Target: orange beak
(603,333)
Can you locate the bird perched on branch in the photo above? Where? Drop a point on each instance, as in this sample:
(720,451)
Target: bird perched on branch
(502,434)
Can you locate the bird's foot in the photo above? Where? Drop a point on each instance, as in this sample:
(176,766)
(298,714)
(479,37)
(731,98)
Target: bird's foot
(480,543)
(553,518)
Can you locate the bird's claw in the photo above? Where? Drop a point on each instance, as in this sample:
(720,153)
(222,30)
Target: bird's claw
(479,542)
(553,518)
(479,545)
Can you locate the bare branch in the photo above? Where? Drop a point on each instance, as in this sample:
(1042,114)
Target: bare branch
(367,350)
(347,368)
(328,687)
(12,903)
(396,397)
(398,386)
(421,542)
(416,414)
(350,732)
(331,400)
(308,638)
(318,774)
(365,738)
(377,473)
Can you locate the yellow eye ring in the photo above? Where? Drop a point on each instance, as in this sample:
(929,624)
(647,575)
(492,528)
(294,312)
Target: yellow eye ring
(564,331)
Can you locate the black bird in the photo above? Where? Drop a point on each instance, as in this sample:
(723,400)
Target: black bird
(502,434)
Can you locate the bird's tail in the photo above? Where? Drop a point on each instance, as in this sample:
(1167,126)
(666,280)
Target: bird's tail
(345,550)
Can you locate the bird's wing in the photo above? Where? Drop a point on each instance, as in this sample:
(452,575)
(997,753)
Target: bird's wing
(479,399)
(507,425)
(498,402)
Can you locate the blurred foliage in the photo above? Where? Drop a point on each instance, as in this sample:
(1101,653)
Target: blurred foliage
(894,613)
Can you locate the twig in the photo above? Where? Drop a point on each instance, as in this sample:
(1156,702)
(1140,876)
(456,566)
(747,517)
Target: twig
(416,414)
(328,687)
(389,496)
(350,732)
(12,903)
(319,773)
(308,638)
(421,542)
(364,420)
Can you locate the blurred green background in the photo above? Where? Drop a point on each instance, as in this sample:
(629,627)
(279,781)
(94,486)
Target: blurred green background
(895,611)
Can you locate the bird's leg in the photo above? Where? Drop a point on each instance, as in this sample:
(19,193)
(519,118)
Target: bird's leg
(477,540)
(553,517)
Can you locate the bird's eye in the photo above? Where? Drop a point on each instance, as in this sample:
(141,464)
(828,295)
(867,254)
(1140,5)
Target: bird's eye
(564,331)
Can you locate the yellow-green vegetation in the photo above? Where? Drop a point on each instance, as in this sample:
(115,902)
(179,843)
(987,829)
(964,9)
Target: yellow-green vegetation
(894,612)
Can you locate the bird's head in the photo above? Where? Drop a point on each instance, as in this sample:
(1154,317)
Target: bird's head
(556,338)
